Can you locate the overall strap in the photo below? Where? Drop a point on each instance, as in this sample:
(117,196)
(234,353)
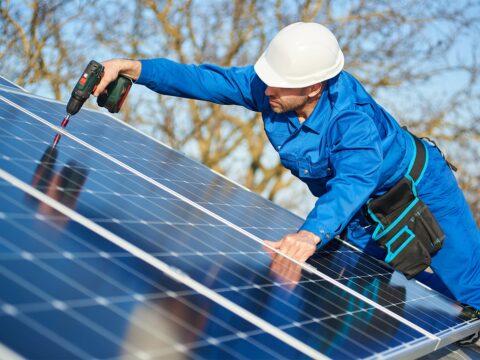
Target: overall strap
(419,161)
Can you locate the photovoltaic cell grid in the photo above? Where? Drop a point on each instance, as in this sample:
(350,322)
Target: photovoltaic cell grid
(75,295)
(173,169)
(199,248)
(168,167)
(8,84)
(336,323)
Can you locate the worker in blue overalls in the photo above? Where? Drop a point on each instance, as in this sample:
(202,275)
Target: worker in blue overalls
(333,136)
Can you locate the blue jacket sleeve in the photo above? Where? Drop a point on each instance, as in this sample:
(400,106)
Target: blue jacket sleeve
(356,156)
(225,86)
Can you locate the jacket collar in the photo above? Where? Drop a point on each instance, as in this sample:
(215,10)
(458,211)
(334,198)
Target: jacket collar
(323,110)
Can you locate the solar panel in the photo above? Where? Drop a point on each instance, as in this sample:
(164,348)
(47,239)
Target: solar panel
(8,84)
(205,232)
(78,296)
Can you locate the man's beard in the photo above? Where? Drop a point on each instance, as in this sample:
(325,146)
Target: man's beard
(280,107)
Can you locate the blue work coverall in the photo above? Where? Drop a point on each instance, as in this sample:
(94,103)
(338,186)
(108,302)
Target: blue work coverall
(347,150)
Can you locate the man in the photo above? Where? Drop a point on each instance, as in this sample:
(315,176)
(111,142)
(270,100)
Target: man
(332,135)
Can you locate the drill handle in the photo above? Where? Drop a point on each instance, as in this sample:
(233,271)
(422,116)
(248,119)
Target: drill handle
(114,96)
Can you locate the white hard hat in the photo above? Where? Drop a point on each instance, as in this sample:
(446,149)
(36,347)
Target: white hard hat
(300,55)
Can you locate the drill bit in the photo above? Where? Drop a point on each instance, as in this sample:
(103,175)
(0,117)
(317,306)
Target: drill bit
(64,123)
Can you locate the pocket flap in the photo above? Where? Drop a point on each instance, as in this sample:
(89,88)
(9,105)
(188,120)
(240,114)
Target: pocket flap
(307,169)
(397,243)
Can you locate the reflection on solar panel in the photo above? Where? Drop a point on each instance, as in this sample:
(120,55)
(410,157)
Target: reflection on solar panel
(114,245)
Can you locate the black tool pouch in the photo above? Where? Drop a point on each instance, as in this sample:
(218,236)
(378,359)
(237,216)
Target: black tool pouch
(405,227)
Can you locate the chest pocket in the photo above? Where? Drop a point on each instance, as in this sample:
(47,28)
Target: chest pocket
(305,169)
(308,170)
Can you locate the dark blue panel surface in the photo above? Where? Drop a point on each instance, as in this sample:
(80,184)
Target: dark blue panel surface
(305,306)
(424,307)
(183,175)
(73,297)
(209,251)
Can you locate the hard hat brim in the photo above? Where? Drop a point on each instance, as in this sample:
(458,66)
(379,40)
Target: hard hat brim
(271,78)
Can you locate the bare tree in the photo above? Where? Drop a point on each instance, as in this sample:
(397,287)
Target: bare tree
(38,48)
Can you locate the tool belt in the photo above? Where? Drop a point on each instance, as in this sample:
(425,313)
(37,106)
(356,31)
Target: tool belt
(404,226)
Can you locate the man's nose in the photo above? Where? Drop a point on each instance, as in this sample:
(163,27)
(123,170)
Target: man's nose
(269,91)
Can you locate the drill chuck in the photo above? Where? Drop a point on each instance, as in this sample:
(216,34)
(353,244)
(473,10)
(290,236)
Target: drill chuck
(74,104)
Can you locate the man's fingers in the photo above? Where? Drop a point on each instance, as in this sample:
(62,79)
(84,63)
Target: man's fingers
(110,73)
(304,252)
(107,78)
(300,254)
(273,244)
(288,249)
(102,85)
(288,246)
(303,256)
(294,247)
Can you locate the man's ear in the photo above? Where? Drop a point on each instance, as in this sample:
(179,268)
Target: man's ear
(315,90)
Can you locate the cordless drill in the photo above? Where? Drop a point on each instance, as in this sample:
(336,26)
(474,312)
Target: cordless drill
(112,99)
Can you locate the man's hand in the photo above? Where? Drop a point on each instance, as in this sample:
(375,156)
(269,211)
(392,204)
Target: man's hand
(299,246)
(115,67)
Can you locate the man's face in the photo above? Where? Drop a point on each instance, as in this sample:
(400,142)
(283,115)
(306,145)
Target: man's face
(285,99)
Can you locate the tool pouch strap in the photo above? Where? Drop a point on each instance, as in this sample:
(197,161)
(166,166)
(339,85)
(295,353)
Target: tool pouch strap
(404,226)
